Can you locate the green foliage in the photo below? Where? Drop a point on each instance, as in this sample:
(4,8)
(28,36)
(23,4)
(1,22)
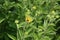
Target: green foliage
(29,19)
(12,37)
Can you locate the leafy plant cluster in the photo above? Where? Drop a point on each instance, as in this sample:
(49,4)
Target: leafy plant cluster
(29,19)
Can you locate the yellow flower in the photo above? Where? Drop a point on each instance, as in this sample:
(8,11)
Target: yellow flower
(34,7)
(29,19)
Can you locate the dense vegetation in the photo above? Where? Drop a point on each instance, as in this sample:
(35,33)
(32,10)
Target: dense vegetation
(29,19)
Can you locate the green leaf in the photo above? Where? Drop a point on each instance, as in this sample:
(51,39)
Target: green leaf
(1,20)
(58,38)
(12,37)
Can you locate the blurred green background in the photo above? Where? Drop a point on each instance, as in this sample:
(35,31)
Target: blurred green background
(29,19)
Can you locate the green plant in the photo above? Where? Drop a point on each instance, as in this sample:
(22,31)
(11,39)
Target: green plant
(29,19)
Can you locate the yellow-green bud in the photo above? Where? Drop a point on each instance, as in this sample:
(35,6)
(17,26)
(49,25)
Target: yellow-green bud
(16,21)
